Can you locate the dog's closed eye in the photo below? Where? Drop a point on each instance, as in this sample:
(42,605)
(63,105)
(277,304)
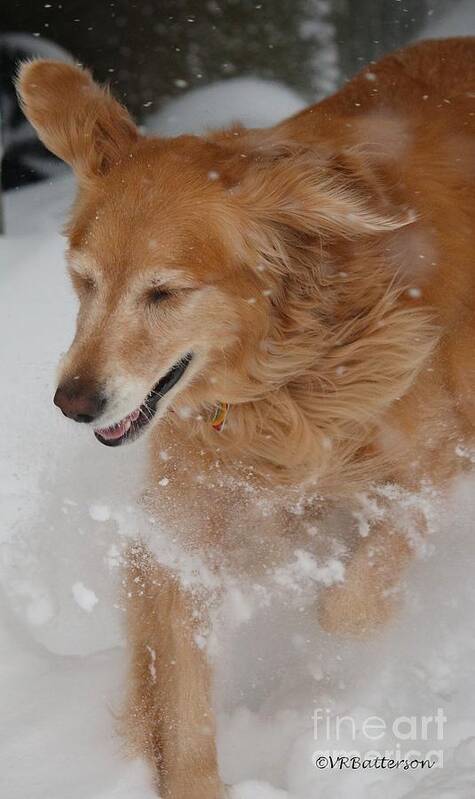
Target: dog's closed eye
(157,294)
(82,282)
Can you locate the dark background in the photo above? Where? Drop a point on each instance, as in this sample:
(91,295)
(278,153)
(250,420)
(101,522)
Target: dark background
(151,50)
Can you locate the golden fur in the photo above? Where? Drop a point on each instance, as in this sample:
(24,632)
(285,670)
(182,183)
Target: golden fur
(322,273)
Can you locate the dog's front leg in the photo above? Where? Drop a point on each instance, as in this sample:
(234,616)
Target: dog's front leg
(370,592)
(366,598)
(169,717)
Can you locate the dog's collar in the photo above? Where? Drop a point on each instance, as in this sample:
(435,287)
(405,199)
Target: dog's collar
(220,413)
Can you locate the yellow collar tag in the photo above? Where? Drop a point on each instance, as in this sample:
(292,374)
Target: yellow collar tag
(219,416)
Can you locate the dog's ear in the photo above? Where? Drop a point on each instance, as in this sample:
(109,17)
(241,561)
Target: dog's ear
(312,194)
(74,117)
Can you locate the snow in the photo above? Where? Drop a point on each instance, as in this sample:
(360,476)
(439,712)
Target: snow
(258,790)
(253,102)
(100,513)
(85,598)
(67,512)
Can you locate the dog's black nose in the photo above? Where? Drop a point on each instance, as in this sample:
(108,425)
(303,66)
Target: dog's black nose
(79,401)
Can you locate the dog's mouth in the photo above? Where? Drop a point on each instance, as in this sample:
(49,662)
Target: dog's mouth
(131,426)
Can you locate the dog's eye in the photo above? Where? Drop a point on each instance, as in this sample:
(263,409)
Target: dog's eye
(84,284)
(156,295)
(88,283)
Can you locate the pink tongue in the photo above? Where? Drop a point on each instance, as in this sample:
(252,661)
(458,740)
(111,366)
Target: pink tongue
(115,432)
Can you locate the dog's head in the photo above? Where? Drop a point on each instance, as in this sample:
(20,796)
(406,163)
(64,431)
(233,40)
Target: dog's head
(170,243)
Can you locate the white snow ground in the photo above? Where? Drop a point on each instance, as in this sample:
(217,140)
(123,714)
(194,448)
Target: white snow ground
(64,511)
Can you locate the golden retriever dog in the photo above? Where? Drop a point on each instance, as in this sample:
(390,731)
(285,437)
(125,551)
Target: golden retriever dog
(288,314)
